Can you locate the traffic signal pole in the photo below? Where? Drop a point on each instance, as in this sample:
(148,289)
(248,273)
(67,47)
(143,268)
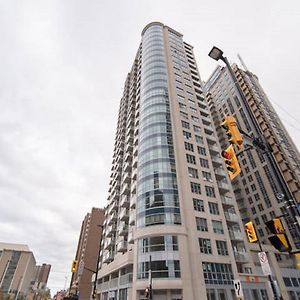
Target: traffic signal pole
(260,142)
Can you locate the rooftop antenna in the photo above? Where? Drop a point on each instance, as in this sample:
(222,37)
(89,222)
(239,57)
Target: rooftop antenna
(242,62)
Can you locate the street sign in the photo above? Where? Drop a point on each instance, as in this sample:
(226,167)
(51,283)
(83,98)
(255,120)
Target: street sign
(238,289)
(80,267)
(263,258)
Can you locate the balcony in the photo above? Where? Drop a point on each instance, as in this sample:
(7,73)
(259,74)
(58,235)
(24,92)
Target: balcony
(216,160)
(211,139)
(131,236)
(231,217)
(241,256)
(133,188)
(112,218)
(126,189)
(223,187)
(129,148)
(115,195)
(133,201)
(112,207)
(126,178)
(242,205)
(132,217)
(220,173)
(125,201)
(236,235)
(109,243)
(213,149)
(111,230)
(123,229)
(227,201)
(127,167)
(122,246)
(108,257)
(124,215)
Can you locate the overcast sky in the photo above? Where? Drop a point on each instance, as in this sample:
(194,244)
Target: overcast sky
(63,66)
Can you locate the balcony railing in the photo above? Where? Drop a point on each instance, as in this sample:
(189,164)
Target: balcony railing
(236,235)
(231,217)
(241,256)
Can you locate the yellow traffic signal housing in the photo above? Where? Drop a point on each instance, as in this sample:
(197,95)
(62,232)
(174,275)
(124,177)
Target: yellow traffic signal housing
(251,233)
(233,132)
(280,242)
(74,266)
(279,239)
(231,162)
(275,226)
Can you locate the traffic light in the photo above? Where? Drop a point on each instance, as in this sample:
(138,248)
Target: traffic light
(74,266)
(232,131)
(275,226)
(251,233)
(279,239)
(231,162)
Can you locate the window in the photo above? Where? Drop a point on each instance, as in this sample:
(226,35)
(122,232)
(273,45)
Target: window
(187,135)
(217,227)
(195,188)
(185,124)
(188,146)
(213,208)
(193,173)
(260,207)
(184,115)
(158,243)
(264,217)
(182,105)
(196,128)
(222,247)
(215,273)
(159,269)
(257,222)
(253,187)
(201,224)
(198,204)
(205,246)
(199,139)
(191,159)
(253,210)
(250,200)
(201,150)
(210,191)
(256,197)
(207,176)
(262,188)
(261,232)
(195,119)
(204,163)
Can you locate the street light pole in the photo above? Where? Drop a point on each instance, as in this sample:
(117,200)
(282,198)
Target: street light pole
(293,213)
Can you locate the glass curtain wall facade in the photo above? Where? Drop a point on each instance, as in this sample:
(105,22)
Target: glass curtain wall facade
(157,194)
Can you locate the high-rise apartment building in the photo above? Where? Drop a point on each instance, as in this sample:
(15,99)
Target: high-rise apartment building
(171,219)
(87,253)
(256,190)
